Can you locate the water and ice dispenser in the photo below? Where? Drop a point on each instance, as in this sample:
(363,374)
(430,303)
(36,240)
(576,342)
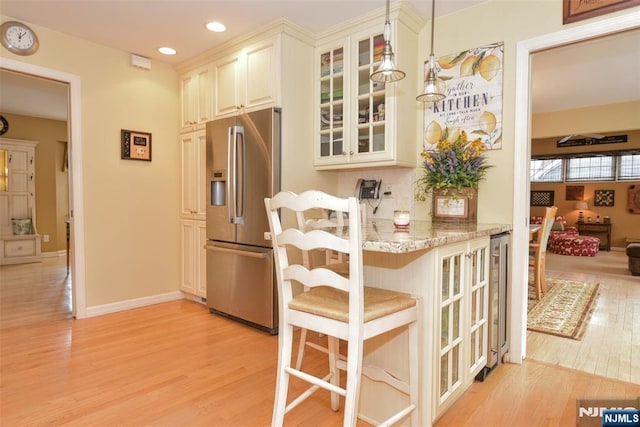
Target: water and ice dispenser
(218,188)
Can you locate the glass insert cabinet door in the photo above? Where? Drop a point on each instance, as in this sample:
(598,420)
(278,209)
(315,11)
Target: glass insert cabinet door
(352,121)
(371,97)
(332,103)
(479,298)
(449,375)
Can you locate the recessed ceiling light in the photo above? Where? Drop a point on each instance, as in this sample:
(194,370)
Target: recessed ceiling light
(167,51)
(216,27)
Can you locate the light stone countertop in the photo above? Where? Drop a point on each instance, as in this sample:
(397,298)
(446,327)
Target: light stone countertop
(381,235)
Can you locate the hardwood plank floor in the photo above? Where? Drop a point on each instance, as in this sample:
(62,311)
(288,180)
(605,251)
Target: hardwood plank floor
(175,364)
(610,346)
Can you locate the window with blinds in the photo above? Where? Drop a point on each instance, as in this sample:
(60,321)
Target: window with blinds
(609,166)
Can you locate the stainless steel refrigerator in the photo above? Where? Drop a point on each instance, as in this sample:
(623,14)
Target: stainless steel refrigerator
(243,167)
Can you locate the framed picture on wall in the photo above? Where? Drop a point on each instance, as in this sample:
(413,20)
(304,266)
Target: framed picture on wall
(135,145)
(542,198)
(604,198)
(575,192)
(577,10)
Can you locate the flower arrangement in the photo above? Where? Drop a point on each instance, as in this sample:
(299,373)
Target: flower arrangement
(455,163)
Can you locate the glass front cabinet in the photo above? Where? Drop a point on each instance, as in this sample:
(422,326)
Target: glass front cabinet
(461,310)
(357,120)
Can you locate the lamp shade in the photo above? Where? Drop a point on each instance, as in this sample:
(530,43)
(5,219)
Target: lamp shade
(581,205)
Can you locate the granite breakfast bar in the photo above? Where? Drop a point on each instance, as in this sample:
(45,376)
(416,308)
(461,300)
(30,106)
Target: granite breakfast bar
(447,267)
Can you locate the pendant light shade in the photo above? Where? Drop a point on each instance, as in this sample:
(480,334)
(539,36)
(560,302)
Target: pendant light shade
(387,72)
(434,88)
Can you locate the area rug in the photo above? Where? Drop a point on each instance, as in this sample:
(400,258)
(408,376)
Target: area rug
(564,310)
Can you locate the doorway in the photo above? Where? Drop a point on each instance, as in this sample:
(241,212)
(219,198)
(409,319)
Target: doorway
(522,154)
(77,261)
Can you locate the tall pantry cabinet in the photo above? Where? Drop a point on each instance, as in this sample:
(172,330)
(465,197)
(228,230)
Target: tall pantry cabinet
(272,67)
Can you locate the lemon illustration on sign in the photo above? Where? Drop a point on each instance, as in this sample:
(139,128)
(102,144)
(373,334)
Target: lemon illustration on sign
(488,67)
(433,132)
(466,68)
(487,122)
(446,62)
(453,135)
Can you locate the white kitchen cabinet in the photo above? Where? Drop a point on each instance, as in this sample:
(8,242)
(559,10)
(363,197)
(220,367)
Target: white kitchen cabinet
(17,201)
(196,89)
(358,122)
(194,258)
(248,79)
(193,203)
(461,313)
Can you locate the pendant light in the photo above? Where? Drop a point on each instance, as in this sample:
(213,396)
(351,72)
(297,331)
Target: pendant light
(387,72)
(434,88)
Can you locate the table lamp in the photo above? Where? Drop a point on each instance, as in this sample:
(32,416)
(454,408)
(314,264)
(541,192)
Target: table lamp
(581,205)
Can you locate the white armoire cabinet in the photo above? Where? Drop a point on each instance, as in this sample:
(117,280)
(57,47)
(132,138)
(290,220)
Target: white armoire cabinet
(19,243)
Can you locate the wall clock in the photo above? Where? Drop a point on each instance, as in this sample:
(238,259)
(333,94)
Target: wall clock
(19,38)
(4,125)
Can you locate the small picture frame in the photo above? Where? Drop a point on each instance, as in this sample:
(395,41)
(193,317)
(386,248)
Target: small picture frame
(135,145)
(604,198)
(542,198)
(575,192)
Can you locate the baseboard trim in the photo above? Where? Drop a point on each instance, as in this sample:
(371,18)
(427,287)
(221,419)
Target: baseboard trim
(53,254)
(99,310)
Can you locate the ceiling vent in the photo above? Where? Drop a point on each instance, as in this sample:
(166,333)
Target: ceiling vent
(140,61)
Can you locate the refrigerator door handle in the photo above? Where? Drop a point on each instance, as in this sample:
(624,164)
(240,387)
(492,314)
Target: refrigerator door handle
(231,183)
(240,174)
(236,252)
(235,166)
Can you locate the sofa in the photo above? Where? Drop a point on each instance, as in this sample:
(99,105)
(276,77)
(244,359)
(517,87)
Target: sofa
(565,240)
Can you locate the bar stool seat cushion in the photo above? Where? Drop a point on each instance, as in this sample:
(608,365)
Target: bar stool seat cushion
(334,304)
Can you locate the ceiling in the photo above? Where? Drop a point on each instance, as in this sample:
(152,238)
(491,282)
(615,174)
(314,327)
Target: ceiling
(598,72)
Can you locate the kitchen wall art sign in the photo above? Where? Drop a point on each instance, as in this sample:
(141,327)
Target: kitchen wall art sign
(473,100)
(135,145)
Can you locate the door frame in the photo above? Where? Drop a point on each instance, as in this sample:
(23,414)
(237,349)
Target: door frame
(76,197)
(522,156)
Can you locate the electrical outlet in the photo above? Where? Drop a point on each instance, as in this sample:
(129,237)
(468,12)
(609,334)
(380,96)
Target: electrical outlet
(387,190)
(45,238)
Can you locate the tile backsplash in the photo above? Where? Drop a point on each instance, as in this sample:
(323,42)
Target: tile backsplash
(400,182)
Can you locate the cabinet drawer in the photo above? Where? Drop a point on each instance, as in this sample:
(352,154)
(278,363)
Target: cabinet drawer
(20,248)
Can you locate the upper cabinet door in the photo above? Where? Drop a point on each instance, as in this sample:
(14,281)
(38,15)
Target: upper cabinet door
(248,80)
(262,71)
(227,78)
(197,98)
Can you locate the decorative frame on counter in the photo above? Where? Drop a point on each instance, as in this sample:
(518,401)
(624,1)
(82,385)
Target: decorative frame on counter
(577,10)
(604,197)
(135,145)
(542,198)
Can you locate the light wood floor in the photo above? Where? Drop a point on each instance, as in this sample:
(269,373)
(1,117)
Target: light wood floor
(174,364)
(610,346)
